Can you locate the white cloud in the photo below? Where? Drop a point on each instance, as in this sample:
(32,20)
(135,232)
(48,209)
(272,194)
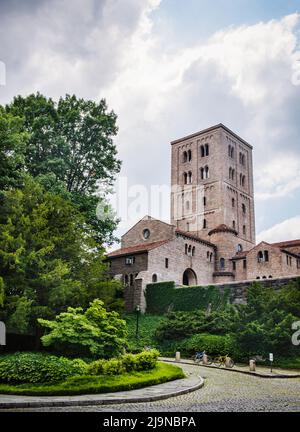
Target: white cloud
(286,230)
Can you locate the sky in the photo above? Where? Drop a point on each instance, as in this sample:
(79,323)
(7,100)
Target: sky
(169,68)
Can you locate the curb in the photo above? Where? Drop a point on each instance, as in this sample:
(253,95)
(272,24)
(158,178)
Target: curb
(257,374)
(79,401)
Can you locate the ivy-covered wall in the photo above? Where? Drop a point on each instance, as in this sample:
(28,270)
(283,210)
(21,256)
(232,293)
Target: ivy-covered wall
(163,296)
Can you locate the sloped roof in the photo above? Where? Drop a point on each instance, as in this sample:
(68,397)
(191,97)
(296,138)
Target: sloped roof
(223,228)
(192,236)
(288,243)
(139,248)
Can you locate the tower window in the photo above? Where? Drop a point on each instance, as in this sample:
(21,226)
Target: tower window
(233,202)
(184,157)
(189,155)
(222,263)
(233,265)
(202,173)
(244,264)
(244,208)
(146,233)
(193,251)
(206,170)
(233,224)
(206,150)
(185,178)
(190,177)
(204,224)
(131,279)
(186,249)
(154,278)
(202,151)
(204,201)
(244,229)
(167,262)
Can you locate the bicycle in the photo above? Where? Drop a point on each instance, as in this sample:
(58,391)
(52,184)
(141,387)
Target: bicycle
(198,357)
(223,361)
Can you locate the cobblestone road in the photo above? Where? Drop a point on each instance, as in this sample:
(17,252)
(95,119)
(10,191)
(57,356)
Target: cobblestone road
(223,391)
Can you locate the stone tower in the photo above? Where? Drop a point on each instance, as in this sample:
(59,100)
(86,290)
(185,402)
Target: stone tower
(212,185)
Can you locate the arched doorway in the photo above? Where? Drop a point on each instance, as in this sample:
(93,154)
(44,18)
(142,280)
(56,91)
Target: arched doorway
(189,277)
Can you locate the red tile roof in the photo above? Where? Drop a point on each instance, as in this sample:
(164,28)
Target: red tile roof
(144,247)
(285,244)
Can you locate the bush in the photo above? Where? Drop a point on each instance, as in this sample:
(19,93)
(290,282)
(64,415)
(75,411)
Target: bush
(38,368)
(129,362)
(212,344)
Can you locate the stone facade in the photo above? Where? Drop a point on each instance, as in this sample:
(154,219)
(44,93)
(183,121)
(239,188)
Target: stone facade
(211,237)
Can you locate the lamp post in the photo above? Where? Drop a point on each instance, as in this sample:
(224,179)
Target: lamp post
(137,309)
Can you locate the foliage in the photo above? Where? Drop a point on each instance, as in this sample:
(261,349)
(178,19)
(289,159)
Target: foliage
(127,363)
(46,259)
(99,384)
(13,142)
(95,331)
(178,325)
(147,328)
(38,368)
(70,150)
(212,344)
(163,297)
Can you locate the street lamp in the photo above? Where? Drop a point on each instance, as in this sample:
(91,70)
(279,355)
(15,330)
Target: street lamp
(137,309)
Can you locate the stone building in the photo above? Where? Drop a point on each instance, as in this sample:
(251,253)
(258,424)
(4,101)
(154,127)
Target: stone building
(211,237)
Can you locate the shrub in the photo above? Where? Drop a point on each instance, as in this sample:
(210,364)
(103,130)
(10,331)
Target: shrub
(38,368)
(212,344)
(146,360)
(94,331)
(127,363)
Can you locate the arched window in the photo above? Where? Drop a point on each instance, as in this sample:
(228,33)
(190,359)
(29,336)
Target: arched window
(184,157)
(270,277)
(239,248)
(206,170)
(126,280)
(210,257)
(190,250)
(258,277)
(131,279)
(241,177)
(233,224)
(190,177)
(230,173)
(233,202)
(193,251)
(233,174)
(204,201)
(222,263)
(244,229)
(202,173)
(154,278)
(202,151)
(207,254)
(204,224)
(232,152)
(206,150)
(189,155)
(244,208)
(243,180)
(266,256)
(260,257)
(229,150)
(186,249)
(185,178)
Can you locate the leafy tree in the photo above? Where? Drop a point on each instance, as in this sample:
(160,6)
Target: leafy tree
(71,151)
(95,331)
(42,249)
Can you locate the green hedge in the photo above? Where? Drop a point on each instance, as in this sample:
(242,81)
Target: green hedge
(213,344)
(163,297)
(38,368)
(99,384)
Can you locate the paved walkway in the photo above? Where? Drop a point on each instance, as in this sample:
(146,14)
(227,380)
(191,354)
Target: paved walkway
(222,392)
(157,392)
(261,371)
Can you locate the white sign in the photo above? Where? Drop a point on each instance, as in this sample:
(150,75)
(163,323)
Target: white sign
(271,357)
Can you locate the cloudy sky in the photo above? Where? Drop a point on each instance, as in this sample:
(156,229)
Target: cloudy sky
(169,68)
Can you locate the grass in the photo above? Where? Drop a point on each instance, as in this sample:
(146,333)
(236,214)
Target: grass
(288,363)
(98,384)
